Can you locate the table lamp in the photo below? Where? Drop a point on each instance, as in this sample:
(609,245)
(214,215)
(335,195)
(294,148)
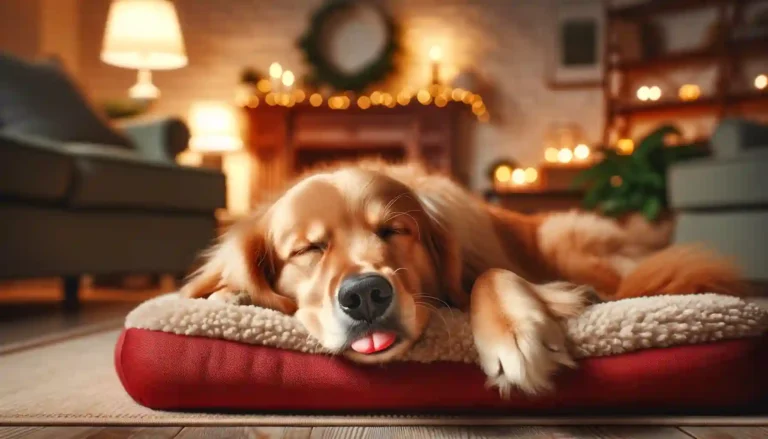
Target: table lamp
(143,35)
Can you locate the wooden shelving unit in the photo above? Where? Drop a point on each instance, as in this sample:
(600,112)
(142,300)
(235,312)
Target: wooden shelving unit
(726,54)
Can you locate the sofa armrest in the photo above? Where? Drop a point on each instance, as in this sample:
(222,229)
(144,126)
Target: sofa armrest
(33,167)
(735,137)
(158,139)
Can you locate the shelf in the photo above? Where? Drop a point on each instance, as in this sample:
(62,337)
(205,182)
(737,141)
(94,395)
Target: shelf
(703,105)
(657,7)
(737,48)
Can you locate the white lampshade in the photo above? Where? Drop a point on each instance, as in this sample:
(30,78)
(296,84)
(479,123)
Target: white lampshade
(143,34)
(215,127)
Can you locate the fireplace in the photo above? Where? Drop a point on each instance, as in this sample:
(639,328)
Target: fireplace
(285,141)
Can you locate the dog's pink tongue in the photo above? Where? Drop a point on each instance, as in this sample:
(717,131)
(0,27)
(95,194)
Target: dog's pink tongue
(375,342)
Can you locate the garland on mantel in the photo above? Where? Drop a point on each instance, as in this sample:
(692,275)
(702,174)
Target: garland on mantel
(435,94)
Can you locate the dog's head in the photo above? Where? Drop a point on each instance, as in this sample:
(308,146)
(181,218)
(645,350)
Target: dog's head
(352,251)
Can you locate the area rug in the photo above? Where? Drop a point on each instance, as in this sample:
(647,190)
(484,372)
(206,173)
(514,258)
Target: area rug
(73,382)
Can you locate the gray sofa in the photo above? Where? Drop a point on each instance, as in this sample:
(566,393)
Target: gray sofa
(722,201)
(77,198)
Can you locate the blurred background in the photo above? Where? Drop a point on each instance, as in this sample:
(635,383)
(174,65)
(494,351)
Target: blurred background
(132,132)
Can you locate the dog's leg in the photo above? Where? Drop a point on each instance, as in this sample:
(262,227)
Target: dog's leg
(515,325)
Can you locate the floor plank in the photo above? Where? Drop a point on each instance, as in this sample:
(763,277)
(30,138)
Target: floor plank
(727,432)
(16,432)
(244,432)
(532,432)
(137,433)
(64,433)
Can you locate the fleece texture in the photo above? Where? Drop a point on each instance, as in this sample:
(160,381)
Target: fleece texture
(603,329)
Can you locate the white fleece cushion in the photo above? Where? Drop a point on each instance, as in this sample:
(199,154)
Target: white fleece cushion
(603,329)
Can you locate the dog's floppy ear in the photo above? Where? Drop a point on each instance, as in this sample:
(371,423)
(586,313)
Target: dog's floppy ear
(445,253)
(241,262)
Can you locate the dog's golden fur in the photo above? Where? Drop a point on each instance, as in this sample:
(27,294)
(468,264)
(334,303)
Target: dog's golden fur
(438,244)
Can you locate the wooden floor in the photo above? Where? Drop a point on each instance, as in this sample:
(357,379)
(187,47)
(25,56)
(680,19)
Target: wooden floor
(532,432)
(30,310)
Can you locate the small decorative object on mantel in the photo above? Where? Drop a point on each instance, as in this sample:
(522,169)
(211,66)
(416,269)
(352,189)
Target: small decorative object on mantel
(350,45)
(505,176)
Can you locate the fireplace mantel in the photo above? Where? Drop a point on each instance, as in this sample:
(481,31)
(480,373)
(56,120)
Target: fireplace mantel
(285,140)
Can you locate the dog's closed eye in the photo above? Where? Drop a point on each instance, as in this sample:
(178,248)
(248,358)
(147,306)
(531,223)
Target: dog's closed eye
(386,232)
(311,247)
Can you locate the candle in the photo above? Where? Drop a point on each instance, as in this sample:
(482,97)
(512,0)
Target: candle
(435,56)
(275,73)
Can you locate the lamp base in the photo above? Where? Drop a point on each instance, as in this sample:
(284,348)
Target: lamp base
(144,89)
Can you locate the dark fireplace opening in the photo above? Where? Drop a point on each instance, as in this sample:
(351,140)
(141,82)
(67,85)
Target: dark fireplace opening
(310,157)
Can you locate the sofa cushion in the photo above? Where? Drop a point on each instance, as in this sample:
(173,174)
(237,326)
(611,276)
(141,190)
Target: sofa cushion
(39,98)
(113,178)
(33,168)
(719,184)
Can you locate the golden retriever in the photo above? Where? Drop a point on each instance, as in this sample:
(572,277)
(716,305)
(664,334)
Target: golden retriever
(361,254)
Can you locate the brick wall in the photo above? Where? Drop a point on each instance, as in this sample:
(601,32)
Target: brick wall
(504,40)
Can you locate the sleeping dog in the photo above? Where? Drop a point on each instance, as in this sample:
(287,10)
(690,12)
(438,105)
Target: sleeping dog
(362,253)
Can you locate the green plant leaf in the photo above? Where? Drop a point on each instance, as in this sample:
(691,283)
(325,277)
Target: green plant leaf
(652,208)
(654,141)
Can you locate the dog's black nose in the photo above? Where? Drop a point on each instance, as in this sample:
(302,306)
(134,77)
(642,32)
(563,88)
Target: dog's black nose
(365,296)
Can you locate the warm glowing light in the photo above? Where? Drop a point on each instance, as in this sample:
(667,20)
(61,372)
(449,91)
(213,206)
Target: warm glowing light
(434,89)
(441,101)
(364,102)
(581,151)
(503,173)
(468,98)
(214,127)
(299,95)
(253,102)
(518,176)
(387,99)
(485,117)
(457,94)
(625,146)
(376,98)
(237,168)
(270,99)
(288,78)
(316,100)
(275,70)
(689,92)
(531,175)
(550,155)
(264,85)
(654,93)
(643,93)
(403,98)
(424,97)
(478,109)
(761,82)
(435,53)
(565,155)
(345,101)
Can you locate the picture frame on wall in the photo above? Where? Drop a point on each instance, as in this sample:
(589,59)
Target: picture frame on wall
(577,45)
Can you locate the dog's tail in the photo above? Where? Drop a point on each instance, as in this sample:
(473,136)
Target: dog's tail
(682,269)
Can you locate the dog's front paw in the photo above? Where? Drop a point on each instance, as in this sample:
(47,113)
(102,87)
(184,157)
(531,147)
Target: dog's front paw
(520,345)
(231,298)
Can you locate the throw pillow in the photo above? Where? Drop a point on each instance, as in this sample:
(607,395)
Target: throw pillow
(40,99)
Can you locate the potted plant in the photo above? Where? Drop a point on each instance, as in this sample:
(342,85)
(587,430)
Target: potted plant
(624,186)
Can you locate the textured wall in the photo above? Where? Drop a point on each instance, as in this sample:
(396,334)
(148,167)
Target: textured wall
(505,41)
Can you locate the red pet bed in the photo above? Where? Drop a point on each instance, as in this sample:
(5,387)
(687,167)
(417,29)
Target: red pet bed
(664,353)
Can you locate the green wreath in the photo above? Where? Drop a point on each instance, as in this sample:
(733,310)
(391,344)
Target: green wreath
(324,72)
